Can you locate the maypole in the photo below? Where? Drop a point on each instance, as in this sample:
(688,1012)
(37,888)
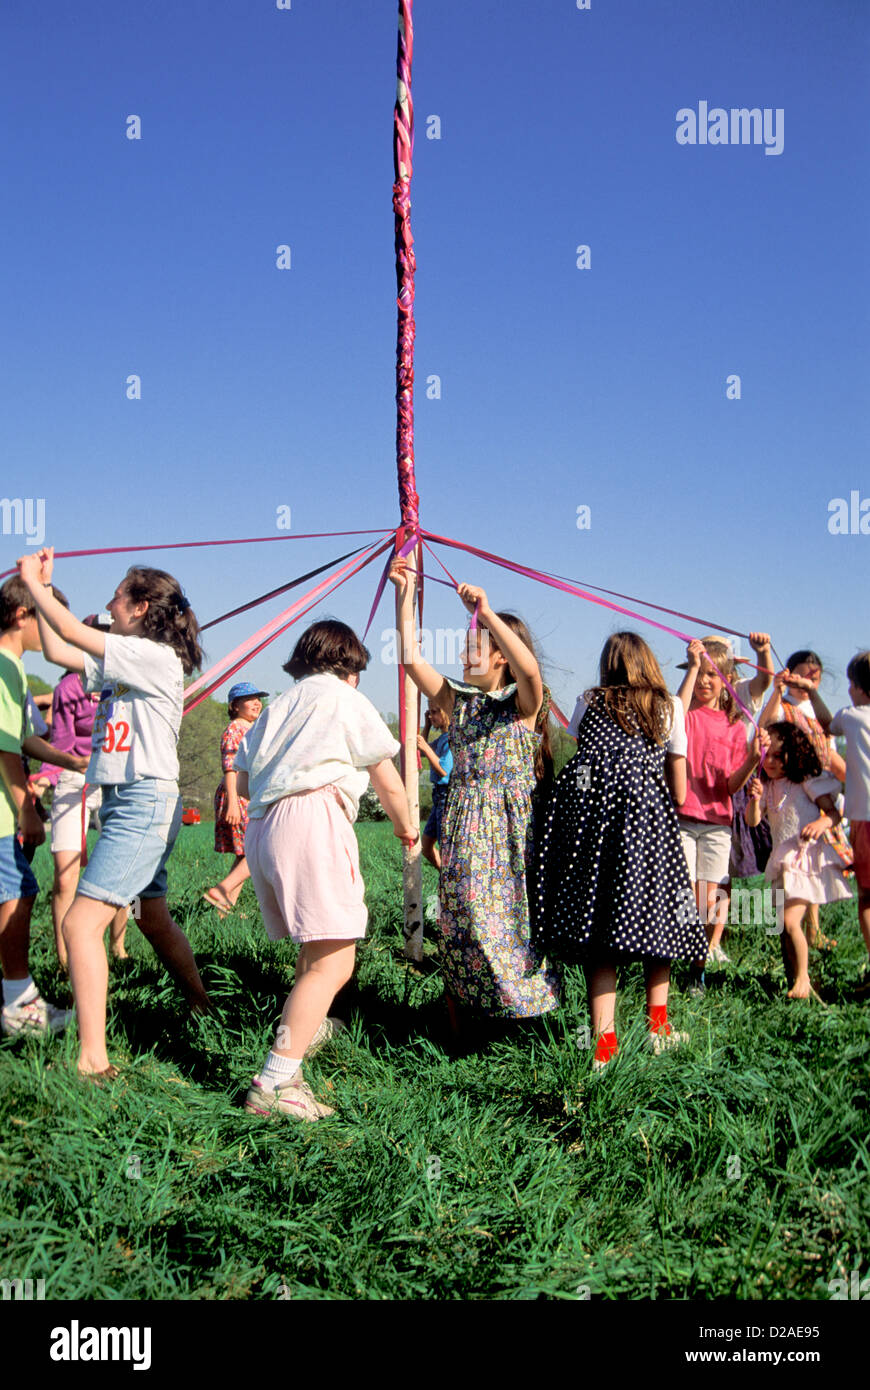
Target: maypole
(403,144)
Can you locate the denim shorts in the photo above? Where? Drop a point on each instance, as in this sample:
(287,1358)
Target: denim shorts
(16,876)
(432,828)
(140,822)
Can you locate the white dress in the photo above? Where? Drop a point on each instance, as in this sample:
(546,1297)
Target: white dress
(807,869)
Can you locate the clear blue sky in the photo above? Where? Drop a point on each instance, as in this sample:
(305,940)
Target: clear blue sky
(560,387)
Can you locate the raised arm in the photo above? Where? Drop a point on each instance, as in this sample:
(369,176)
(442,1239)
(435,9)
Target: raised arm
(760,643)
(526,671)
(694,652)
(63,637)
(425,677)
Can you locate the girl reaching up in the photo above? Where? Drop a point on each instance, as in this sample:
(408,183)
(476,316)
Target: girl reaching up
(612,881)
(498,736)
(799,804)
(138,667)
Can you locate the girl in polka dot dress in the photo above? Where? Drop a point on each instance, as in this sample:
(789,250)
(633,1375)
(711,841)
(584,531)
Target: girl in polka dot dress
(612,881)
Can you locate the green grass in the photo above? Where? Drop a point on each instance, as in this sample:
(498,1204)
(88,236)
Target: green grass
(735,1169)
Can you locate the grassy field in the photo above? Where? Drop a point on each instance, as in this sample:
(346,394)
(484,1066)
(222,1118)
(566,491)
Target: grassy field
(736,1168)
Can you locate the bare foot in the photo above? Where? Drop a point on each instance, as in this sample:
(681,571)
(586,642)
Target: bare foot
(218,900)
(801,989)
(120,955)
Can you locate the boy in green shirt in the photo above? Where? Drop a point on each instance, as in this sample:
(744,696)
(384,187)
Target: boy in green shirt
(23,1007)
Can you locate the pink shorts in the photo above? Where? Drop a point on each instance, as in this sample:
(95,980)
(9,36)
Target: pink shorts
(304,865)
(860,838)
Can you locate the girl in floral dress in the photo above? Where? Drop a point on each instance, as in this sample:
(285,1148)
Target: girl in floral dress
(497,734)
(231,810)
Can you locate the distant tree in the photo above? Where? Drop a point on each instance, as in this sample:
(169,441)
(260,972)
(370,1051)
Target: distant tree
(199,756)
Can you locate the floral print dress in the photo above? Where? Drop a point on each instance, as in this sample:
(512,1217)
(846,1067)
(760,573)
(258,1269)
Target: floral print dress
(486,844)
(230,839)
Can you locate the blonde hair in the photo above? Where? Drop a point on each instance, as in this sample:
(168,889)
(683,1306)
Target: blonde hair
(721,655)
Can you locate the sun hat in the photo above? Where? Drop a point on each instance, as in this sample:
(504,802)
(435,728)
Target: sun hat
(244,690)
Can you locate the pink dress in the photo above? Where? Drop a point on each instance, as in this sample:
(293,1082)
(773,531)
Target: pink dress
(809,870)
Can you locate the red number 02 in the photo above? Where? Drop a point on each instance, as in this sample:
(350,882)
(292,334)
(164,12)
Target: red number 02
(119,732)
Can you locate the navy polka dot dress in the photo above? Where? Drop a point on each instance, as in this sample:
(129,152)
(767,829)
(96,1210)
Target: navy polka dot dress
(611,878)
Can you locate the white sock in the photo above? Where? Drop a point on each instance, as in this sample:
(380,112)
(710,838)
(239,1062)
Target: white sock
(19,991)
(276,1070)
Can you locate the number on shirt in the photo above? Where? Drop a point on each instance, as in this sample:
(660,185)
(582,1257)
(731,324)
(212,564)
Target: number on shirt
(115,736)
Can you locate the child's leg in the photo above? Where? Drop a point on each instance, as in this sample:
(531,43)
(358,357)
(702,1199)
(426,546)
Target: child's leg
(15,938)
(429,850)
(83,929)
(323,968)
(601,989)
(66,881)
(174,949)
(117,932)
(794,949)
(231,886)
(716,912)
(657,977)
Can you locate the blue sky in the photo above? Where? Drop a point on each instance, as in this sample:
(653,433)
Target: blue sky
(560,387)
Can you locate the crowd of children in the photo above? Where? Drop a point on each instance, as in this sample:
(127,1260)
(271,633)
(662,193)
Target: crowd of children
(627,855)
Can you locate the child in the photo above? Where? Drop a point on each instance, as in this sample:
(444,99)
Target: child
(612,882)
(231,811)
(498,737)
(24,1009)
(304,765)
(794,698)
(806,869)
(139,667)
(72,722)
(854,725)
(441,760)
(719,764)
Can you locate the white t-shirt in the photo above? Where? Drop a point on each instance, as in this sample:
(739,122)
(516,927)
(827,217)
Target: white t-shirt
(141,687)
(676,744)
(853,722)
(320,732)
(40,728)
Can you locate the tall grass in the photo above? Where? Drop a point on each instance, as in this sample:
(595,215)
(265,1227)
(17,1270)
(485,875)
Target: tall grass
(734,1168)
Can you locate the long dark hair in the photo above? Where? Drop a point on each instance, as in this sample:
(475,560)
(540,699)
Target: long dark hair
(169,617)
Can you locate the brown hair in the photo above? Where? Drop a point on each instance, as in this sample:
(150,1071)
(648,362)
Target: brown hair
(720,655)
(544,754)
(328,646)
(169,617)
(14,594)
(799,758)
(632,688)
(858,671)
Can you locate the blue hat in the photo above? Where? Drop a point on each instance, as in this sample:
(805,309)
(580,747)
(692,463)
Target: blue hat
(244,691)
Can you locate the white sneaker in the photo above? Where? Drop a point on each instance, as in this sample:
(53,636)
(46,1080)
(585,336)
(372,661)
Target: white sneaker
(294,1097)
(717,956)
(663,1042)
(37,1016)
